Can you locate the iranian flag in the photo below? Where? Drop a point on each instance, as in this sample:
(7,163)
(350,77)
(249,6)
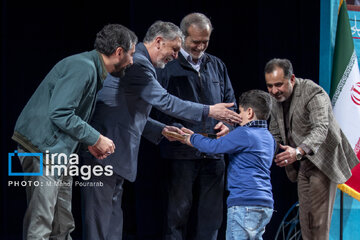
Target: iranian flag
(345,93)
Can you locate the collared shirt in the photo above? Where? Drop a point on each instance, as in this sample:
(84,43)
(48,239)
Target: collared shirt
(257,123)
(187,56)
(196,66)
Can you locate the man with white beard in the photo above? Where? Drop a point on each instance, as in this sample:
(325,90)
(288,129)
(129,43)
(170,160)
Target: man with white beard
(122,110)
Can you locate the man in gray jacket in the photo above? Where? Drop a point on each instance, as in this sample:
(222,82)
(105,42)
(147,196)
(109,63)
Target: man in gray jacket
(316,152)
(122,111)
(56,119)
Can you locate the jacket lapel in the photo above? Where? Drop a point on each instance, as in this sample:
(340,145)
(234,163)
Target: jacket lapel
(294,101)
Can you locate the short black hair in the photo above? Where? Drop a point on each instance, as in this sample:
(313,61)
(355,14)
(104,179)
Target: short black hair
(284,64)
(113,36)
(259,101)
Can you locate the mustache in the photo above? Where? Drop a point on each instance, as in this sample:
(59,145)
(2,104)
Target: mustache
(278,94)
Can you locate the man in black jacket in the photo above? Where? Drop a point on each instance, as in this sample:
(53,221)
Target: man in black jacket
(196,179)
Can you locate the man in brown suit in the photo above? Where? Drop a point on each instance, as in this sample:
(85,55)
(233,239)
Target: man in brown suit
(316,153)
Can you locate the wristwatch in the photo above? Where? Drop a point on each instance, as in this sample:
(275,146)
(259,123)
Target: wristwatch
(298,154)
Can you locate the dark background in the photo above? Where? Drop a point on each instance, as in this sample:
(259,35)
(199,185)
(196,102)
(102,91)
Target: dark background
(35,35)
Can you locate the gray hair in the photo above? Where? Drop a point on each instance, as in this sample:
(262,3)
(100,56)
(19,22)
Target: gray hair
(197,19)
(284,64)
(166,30)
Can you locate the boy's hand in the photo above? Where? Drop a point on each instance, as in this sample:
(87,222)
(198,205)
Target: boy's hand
(223,129)
(188,134)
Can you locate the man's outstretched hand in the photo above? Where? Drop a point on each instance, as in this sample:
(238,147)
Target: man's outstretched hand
(172,133)
(221,112)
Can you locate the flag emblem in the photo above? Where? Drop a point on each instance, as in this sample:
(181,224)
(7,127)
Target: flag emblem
(355,93)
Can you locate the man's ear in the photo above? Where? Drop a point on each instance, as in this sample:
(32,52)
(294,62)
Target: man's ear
(158,41)
(292,79)
(119,51)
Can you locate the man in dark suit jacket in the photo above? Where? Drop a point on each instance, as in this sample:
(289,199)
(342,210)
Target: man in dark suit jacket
(316,153)
(195,180)
(122,111)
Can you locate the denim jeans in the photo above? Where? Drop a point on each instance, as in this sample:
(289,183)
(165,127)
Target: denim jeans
(247,222)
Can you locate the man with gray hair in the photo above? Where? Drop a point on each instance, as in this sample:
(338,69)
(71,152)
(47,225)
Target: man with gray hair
(196,179)
(122,111)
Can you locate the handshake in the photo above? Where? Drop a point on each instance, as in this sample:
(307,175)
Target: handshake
(105,146)
(183,135)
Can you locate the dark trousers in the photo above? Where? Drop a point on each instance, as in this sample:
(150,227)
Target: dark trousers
(195,199)
(101,207)
(316,200)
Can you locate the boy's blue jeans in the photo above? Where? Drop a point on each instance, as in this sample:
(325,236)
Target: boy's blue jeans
(247,222)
